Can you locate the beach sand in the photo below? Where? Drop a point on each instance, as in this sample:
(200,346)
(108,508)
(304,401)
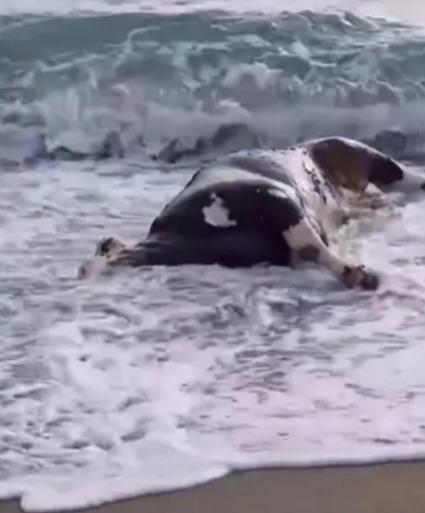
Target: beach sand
(381,488)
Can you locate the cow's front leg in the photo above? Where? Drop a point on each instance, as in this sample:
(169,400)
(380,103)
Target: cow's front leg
(308,246)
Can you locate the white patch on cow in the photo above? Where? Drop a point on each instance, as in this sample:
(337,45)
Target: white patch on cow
(223,174)
(217,214)
(285,192)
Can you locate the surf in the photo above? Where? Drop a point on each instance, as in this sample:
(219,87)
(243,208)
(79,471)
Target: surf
(166,378)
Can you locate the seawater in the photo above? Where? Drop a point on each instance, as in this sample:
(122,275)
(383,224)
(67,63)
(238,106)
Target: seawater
(160,379)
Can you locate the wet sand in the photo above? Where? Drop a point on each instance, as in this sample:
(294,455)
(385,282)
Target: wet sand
(381,488)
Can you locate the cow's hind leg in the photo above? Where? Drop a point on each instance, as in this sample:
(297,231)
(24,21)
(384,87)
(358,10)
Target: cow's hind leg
(110,252)
(308,246)
(288,218)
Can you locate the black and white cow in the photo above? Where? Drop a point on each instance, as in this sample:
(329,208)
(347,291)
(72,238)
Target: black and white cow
(267,206)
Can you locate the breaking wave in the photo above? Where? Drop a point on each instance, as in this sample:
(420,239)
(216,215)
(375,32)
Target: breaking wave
(293,75)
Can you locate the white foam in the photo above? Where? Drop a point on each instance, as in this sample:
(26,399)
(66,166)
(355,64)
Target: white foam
(159,379)
(413,13)
(177,467)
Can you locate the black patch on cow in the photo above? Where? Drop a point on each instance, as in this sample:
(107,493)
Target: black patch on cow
(383,170)
(262,212)
(309,253)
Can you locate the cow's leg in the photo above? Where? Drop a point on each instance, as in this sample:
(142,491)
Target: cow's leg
(371,198)
(108,254)
(110,248)
(286,216)
(361,205)
(307,245)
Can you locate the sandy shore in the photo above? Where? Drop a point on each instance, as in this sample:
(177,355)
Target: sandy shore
(383,488)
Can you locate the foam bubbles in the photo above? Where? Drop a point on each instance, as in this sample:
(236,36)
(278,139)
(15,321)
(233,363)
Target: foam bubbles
(158,379)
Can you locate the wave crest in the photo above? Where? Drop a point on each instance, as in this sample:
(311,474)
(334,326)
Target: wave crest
(296,74)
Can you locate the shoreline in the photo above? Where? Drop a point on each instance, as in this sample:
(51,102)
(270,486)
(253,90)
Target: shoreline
(371,488)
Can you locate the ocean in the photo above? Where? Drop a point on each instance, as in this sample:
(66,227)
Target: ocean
(160,379)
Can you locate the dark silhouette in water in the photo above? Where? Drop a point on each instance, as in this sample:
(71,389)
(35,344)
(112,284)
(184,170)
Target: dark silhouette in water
(110,147)
(226,138)
(238,134)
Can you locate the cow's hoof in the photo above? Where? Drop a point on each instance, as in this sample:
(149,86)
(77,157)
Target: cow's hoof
(359,277)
